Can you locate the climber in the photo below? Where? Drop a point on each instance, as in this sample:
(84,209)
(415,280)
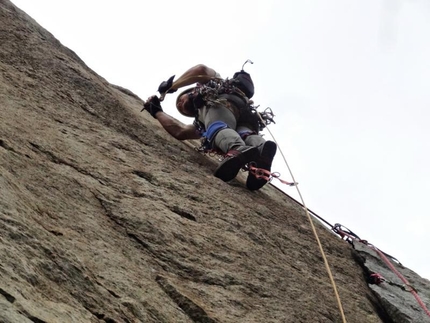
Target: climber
(222,117)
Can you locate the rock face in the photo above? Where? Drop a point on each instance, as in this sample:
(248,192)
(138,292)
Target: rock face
(403,294)
(106,218)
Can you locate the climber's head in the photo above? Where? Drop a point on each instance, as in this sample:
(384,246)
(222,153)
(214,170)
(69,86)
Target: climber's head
(184,103)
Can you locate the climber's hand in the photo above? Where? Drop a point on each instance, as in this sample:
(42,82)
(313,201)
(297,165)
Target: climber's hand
(165,86)
(152,105)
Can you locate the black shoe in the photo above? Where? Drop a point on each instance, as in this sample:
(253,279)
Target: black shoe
(235,159)
(268,151)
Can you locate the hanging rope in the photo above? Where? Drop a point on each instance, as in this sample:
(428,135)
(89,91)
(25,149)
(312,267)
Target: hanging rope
(339,303)
(337,228)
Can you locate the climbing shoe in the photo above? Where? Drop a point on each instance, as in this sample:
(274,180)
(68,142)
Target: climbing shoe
(267,153)
(234,160)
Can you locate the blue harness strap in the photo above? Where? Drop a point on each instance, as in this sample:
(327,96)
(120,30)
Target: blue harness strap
(213,129)
(245,133)
(211,132)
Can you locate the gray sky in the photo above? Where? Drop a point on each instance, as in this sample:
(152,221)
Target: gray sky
(348,82)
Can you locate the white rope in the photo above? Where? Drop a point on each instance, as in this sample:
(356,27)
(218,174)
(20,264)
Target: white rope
(313,228)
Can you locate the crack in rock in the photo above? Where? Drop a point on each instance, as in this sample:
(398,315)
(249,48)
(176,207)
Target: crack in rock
(55,159)
(182,213)
(146,176)
(194,311)
(6,295)
(102,316)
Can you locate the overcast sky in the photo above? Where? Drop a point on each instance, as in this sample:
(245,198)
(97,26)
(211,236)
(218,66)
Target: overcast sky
(348,82)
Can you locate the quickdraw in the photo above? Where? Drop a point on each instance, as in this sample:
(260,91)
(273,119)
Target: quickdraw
(377,279)
(267,175)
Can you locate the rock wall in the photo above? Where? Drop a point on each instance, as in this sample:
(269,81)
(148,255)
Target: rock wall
(106,218)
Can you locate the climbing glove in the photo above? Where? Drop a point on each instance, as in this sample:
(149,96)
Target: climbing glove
(153,106)
(165,86)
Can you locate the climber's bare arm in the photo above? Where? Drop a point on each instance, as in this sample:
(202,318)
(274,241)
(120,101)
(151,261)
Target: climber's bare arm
(175,128)
(199,73)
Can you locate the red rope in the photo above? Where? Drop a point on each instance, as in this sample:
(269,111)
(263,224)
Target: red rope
(390,265)
(403,279)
